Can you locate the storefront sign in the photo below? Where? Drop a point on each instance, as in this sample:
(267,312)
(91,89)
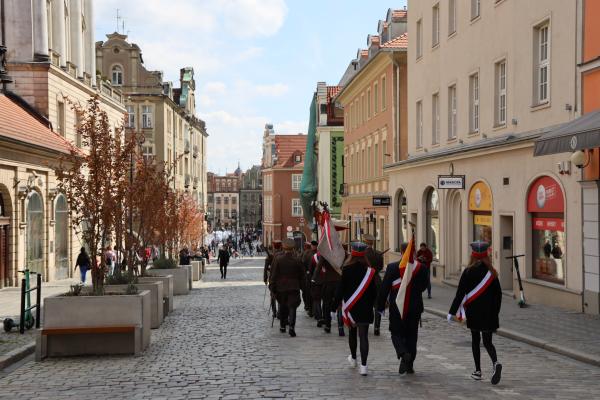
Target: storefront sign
(485,220)
(545,195)
(548,224)
(382,201)
(451,181)
(480,197)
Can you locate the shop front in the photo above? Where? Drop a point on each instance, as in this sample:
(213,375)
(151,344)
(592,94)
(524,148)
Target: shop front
(480,209)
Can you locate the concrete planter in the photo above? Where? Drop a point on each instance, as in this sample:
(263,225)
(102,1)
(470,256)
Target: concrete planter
(156,299)
(181,278)
(167,289)
(196,270)
(189,269)
(80,312)
(204,262)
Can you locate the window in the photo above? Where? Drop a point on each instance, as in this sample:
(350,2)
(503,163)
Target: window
(383,94)
(435,25)
(146,117)
(432,221)
(419,38)
(61,119)
(451,17)
(376,97)
(500,98)
(226,200)
(474,103)
(298,158)
(368,103)
(419,124)
(542,71)
(376,160)
(148,152)
(369,167)
(296,208)
(225,213)
(131,117)
(452,112)
(218,200)
(435,119)
(35,233)
(475,9)
(364,108)
(117,76)
(296,180)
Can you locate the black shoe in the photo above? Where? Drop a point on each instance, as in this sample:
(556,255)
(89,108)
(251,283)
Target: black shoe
(320,323)
(410,370)
(497,373)
(282,329)
(429,296)
(327,329)
(341,332)
(402,369)
(292,332)
(310,314)
(376,332)
(405,364)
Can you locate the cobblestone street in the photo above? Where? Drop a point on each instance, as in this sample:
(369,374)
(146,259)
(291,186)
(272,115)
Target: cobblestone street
(219,344)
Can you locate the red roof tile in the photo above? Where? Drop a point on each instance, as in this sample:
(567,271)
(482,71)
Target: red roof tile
(17,124)
(401,42)
(333,91)
(398,14)
(287,146)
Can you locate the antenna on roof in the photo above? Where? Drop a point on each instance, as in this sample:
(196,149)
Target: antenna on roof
(118,19)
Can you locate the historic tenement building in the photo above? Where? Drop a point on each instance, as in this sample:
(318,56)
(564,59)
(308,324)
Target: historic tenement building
(224,201)
(251,198)
(51,62)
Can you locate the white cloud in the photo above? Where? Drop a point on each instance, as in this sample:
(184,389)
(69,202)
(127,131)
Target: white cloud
(212,88)
(250,53)
(253,18)
(266,90)
(291,127)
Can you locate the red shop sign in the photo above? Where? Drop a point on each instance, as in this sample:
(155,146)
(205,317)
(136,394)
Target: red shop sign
(545,195)
(548,224)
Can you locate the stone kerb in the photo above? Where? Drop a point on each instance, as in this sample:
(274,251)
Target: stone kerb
(116,310)
(156,299)
(181,278)
(167,289)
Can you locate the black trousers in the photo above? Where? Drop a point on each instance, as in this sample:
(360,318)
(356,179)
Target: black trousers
(306,296)
(405,338)
(316,292)
(328,294)
(223,268)
(288,303)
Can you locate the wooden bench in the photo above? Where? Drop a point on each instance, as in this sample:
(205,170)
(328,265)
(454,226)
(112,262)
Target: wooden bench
(104,340)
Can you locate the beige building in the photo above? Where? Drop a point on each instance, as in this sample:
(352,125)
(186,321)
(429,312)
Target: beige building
(485,79)
(50,58)
(165,115)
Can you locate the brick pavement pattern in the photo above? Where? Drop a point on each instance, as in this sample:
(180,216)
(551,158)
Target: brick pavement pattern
(219,344)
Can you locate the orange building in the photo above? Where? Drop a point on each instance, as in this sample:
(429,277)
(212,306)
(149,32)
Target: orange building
(283,163)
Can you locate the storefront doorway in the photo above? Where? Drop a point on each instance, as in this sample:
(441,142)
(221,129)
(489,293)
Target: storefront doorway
(454,235)
(507,245)
(35,234)
(61,238)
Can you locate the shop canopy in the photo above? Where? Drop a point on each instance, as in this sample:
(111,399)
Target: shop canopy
(579,134)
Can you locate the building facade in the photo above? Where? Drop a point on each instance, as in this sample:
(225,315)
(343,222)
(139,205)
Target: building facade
(166,116)
(374,136)
(251,199)
(282,166)
(51,62)
(224,201)
(472,122)
(330,147)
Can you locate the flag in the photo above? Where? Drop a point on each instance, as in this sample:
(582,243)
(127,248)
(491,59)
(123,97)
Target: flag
(408,269)
(330,247)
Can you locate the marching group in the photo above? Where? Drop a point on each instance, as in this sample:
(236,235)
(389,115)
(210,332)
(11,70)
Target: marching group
(357,296)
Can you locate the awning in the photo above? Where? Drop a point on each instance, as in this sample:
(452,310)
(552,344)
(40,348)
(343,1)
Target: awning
(579,134)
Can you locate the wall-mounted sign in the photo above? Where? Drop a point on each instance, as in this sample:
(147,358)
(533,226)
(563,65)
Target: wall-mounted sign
(451,181)
(382,201)
(480,197)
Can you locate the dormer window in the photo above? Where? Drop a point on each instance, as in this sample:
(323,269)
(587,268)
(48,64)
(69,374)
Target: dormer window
(298,158)
(117,76)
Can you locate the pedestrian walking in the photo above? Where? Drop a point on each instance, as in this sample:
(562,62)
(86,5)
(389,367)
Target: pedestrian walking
(84,263)
(275,251)
(110,260)
(306,258)
(223,260)
(356,294)
(375,259)
(404,327)
(478,300)
(330,279)
(285,281)
(184,256)
(425,257)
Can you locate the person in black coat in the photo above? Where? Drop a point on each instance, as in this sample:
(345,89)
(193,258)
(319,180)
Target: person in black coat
(481,310)
(358,314)
(404,332)
(223,259)
(375,259)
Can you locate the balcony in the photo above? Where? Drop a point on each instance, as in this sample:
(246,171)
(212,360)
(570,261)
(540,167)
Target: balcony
(344,190)
(195,151)
(186,146)
(187,180)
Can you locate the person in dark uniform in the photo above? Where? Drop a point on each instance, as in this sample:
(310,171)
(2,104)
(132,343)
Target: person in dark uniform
(306,258)
(275,251)
(287,277)
(329,278)
(375,259)
(223,259)
(480,307)
(356,294)
(404,331)
(316,288)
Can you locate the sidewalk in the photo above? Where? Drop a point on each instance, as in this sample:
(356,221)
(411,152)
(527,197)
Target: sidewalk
(572,334)
(13,345)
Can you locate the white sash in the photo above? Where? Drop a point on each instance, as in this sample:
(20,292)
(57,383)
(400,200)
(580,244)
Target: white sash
(473,294)
(347,305)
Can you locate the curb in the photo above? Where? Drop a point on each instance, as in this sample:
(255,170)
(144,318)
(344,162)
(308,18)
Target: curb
(534,341)
(16,355)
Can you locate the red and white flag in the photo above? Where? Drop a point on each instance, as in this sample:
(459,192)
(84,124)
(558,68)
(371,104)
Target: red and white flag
(408,270)
(330,247)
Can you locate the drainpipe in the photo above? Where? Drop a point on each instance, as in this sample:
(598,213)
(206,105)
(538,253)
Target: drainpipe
(397,110)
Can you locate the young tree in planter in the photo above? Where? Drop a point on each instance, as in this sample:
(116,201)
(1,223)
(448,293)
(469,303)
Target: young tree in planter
(94,180)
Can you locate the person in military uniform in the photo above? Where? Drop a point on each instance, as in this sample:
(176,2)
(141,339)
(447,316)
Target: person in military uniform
(316,286)
(285,281)
(375,259)
(330,279)
(306,258)
(275,251)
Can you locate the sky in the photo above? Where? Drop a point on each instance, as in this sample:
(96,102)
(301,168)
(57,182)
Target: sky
(255,61)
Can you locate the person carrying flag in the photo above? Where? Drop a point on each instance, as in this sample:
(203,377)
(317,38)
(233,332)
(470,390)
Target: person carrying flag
(478,300)
(403,286)
(375,259)
(330,278)
(356,294)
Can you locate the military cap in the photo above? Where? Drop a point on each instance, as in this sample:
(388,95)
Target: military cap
(289,244)
(358,249)
(367,237)
(314,243)
(479,249)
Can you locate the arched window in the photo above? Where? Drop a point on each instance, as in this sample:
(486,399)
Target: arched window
(35,233)
(401,219)
(117,75)
(432,221)
(61,238)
